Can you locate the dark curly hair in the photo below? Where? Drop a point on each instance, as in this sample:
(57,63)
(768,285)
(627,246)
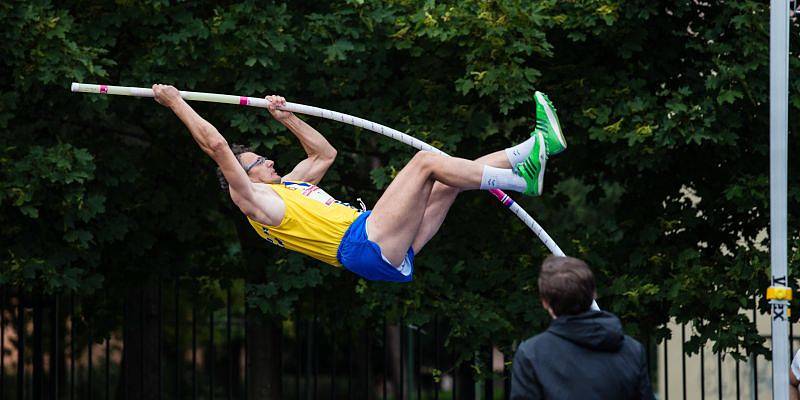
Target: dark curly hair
(237,149)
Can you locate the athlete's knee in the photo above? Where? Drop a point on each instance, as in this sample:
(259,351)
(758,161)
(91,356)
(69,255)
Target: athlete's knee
(421,156)
(424,160)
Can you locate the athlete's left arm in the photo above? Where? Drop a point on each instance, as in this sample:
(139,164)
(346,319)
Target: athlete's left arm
(320,153)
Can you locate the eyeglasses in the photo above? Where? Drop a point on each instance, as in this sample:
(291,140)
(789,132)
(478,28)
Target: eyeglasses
(260,160)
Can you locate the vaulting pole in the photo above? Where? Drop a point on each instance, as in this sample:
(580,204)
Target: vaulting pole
(328,114)
(335,116)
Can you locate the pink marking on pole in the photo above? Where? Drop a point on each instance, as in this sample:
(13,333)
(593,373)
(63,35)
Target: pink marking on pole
(497,193)
(243,100)
(103,88)
(504,198)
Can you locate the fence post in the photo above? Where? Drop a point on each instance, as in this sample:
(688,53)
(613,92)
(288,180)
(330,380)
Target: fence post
(2,342)
(177,340)
(21,353)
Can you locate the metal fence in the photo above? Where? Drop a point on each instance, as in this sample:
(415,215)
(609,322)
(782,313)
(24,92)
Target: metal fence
(712,375)
(199,352)
(51,352)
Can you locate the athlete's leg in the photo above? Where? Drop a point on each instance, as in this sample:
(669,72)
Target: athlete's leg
(443,196)
(400,214)
(397,216)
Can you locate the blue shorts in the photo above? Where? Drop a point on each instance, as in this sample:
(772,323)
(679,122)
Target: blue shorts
(364,258)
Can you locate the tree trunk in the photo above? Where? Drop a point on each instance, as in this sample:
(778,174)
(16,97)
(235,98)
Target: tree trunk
(236,359)
(139,379)
(58,357)
(263,357)
(465,382)
(38,347)
(263,333)
(393,336)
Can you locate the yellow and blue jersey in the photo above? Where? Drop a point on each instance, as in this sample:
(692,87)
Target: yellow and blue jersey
(314,222)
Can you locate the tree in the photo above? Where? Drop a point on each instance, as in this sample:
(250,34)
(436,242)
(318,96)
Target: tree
(662,189)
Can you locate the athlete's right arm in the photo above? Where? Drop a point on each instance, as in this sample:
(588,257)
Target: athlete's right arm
(214,144)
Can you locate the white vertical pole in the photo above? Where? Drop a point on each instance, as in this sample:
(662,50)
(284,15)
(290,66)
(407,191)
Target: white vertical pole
(778,131)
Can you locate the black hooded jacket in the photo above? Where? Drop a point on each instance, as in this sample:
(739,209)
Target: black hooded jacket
(583,356)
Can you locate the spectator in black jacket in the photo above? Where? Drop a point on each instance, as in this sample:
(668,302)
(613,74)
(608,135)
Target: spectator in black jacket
(583,354)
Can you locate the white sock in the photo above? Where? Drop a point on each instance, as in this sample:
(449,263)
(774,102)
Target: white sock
(503,179)
(519,153)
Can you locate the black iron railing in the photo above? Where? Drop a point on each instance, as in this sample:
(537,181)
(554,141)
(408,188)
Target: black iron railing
(50,351)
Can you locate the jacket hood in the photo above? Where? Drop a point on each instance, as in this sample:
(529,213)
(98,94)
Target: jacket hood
(596,330)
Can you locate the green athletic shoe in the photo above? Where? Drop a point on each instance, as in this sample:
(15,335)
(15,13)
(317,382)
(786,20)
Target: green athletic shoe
(547,124)
(532,169)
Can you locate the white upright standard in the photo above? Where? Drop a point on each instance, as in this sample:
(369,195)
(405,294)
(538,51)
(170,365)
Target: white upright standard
(779,294)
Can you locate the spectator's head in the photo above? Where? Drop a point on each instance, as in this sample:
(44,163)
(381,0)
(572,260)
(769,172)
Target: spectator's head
(566,286)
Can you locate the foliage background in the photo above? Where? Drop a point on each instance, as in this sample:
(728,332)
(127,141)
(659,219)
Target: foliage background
(663,190)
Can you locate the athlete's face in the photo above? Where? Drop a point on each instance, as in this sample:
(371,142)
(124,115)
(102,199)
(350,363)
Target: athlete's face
(258,168)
